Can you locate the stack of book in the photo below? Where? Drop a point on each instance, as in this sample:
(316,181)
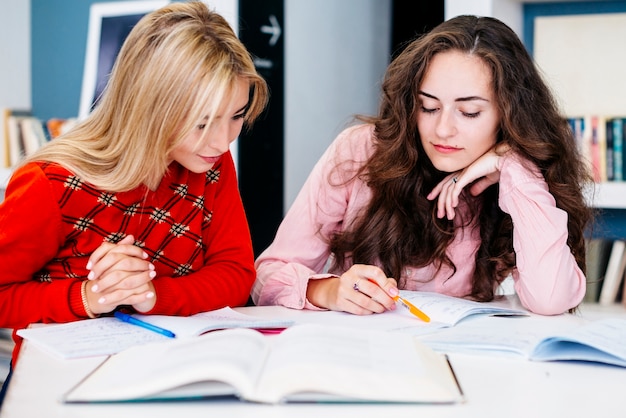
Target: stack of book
(21,134)
(601,141)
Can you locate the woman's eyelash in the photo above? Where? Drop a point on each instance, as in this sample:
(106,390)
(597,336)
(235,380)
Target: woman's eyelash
(466,114)
(236,117)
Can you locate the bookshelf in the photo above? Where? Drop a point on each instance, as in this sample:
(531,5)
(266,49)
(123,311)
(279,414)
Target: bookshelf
(588,80)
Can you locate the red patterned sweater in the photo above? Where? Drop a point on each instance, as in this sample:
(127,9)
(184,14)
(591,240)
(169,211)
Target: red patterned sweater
(193,228)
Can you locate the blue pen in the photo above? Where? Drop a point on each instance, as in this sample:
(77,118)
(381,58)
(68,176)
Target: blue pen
(132,320)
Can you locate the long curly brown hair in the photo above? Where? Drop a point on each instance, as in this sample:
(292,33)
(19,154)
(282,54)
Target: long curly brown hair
(399,227)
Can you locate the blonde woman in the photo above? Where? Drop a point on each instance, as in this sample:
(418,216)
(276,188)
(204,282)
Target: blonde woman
(138,206)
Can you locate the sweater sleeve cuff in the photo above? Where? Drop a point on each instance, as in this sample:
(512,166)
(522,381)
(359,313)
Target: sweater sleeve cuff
(76,300)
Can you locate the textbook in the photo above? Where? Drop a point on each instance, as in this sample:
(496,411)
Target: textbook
(538,339)
(108,335)
(449,310)
(305,363)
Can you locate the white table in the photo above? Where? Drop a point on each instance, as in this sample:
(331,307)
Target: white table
(493,386)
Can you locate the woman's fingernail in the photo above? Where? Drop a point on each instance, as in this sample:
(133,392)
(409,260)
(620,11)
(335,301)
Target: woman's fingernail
(151,266)
(91,275)
(89,265)
(145,255)
(94,288)
(101,300)
(149,295)
(152,274)
(393,291)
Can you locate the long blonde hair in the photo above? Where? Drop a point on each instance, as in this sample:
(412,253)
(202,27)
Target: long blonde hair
(176,62)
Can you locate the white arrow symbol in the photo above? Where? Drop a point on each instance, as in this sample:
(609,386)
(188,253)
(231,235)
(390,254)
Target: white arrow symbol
(273,30)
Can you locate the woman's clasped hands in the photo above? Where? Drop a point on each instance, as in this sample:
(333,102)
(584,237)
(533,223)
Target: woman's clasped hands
(120,274)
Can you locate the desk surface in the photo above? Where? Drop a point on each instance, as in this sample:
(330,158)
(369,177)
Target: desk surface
(494,387)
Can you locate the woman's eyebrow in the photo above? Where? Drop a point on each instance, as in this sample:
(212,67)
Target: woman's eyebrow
(243,108)
(459,99)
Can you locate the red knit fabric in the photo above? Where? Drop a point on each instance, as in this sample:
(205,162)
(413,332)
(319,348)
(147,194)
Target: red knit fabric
(193,228)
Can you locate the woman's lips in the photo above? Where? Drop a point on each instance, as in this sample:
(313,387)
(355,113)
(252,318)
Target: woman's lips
(445,149)
(211,160)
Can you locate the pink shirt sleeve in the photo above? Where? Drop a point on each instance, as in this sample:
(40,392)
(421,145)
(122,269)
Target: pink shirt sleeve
(327,201)
(547,278)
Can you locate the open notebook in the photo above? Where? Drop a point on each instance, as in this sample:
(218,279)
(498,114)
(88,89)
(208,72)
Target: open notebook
(103,336)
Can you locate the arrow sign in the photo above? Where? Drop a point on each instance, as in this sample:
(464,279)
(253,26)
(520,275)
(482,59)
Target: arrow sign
(273,30)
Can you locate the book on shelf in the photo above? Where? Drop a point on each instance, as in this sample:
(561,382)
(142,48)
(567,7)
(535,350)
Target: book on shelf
(10,133)
(305,363)
(597,125)
(33,134)
(14,144)
(614,274)
(577,124)
(538,339)
(109,335)
(597,255)
(610,149)
(14,139)
(4,138)
(617,125)
(59,126)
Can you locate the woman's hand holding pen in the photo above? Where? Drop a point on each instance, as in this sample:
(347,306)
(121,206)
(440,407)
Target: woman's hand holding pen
(483,172)
(362,290)
(120,275)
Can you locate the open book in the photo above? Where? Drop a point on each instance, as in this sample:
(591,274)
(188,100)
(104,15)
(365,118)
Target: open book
(539,339)
(305,363)
(449,310)
(104,336)
(444,312)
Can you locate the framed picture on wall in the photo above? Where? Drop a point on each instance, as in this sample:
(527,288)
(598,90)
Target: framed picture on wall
(109,25)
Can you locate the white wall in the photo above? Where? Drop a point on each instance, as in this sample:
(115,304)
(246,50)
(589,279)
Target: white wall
(509,11)
(336,53)
(14,64)
(589,78)
(15,54)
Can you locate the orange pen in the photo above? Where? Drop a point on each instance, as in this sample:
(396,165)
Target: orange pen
(412,308)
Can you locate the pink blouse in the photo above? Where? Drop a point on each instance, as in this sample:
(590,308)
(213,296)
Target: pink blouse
(547,278)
